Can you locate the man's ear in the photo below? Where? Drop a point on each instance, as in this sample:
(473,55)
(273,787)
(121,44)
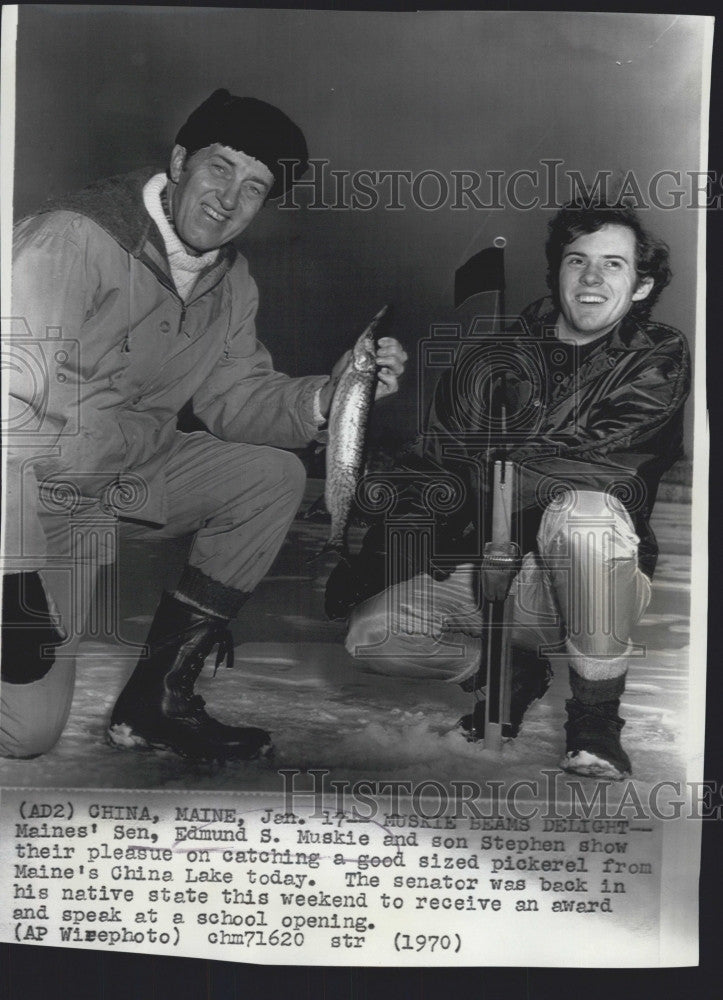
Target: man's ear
(178,159)
(643,290)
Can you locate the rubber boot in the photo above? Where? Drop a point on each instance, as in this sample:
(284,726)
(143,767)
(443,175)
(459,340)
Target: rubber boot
(593,740)
(158,709)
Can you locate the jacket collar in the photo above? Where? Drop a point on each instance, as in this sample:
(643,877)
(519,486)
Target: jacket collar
(628,335)
(116,205)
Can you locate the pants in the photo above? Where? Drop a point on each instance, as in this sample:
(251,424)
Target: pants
(578,597)
(239,500)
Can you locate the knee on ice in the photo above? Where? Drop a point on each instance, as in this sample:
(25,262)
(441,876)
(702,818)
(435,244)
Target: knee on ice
(33,741)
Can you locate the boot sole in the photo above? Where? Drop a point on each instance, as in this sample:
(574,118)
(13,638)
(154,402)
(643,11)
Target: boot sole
(589,765)
(122,737)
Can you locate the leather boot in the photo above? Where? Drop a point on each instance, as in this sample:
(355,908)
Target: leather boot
(158,709)
(593,740)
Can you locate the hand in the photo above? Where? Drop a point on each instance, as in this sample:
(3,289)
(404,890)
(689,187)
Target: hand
(500,564)
(391,359)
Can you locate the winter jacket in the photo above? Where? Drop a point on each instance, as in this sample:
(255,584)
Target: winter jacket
(106,354)
(614,424)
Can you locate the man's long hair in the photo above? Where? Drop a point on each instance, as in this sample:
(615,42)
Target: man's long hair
(577,219)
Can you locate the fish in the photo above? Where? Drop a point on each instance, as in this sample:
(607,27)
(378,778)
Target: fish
(348,419)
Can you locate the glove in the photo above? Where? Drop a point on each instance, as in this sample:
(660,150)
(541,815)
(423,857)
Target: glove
(500,563)
(31,629)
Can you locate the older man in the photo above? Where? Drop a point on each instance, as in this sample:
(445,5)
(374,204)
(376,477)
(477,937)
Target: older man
(138,302)
(594,433)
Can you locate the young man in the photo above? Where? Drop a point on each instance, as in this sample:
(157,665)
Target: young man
(130,300)
(593,435)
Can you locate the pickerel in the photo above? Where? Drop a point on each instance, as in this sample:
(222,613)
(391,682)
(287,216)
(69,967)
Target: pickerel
(347,433)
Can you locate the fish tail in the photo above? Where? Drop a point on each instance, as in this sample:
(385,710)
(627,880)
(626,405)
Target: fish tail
(339,546)
(317,507)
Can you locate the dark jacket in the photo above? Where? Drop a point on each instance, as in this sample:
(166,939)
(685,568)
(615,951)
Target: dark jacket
(613,423)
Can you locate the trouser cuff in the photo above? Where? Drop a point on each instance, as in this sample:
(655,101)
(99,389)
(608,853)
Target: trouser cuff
(593,692)
(209,595)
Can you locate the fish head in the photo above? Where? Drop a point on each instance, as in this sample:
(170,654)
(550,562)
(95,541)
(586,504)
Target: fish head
(364,354)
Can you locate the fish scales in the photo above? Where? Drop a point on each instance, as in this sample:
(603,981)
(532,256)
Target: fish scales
(347,430)
(347,433)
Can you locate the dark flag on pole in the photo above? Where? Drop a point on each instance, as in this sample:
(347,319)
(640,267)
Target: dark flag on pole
(485,272)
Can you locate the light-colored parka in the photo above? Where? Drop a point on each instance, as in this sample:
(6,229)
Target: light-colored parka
(103,354)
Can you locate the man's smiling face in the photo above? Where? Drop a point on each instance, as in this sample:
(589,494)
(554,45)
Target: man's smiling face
(598,282)
(216,193)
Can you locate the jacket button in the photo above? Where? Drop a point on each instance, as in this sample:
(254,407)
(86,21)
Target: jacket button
(165,326)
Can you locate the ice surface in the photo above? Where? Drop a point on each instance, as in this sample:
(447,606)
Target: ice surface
(294,677)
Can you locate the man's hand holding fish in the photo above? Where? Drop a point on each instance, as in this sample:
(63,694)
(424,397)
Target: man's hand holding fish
(391,359)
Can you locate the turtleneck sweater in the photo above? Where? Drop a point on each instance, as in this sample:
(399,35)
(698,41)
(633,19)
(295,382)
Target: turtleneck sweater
(185,267)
